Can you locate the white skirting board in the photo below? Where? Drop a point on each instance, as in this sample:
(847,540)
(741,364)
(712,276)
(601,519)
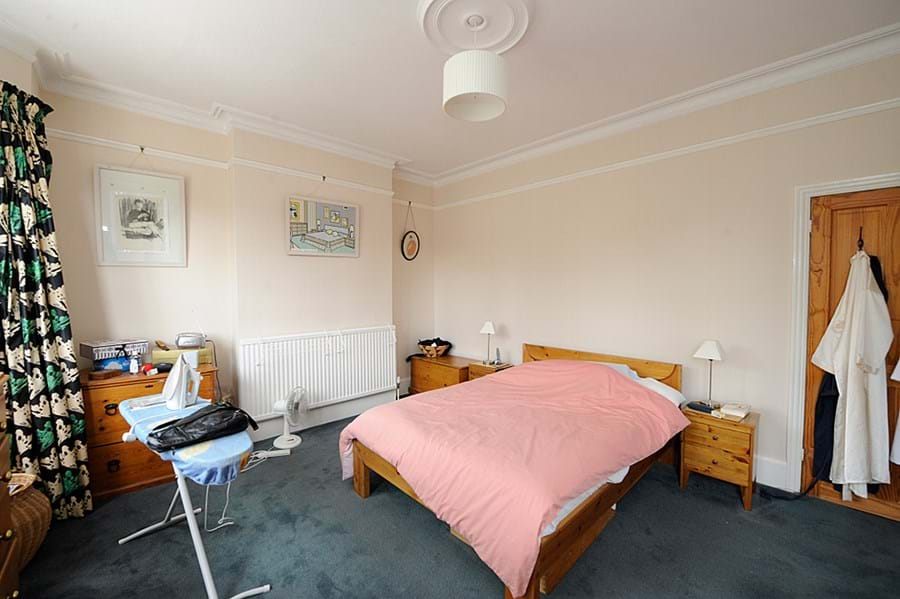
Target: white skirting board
(772,473)
(273,427)
(404,386)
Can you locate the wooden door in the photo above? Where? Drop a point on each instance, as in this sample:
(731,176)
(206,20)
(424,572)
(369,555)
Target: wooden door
(836,220)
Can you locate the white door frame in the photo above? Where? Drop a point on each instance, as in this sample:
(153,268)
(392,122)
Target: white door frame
(800,303)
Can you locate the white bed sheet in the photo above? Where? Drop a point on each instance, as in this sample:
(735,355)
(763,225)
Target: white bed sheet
(570,507)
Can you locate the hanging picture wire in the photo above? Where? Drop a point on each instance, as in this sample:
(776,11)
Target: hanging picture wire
(409,243)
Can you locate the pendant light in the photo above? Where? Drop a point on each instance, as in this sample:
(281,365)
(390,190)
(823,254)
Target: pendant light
(475,86)
(474,33)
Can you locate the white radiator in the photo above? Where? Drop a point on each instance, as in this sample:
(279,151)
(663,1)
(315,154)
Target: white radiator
(332,366)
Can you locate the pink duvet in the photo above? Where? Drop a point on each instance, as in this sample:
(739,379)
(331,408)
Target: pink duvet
(498,457)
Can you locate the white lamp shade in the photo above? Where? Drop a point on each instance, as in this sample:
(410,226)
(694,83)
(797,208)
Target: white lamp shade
(475,85)
(488,328)
(710,350)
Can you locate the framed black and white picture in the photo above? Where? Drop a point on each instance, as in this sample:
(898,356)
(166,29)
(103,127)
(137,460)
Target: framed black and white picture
(140,218)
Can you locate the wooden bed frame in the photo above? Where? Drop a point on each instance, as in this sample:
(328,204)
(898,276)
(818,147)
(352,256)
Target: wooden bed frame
(561,549)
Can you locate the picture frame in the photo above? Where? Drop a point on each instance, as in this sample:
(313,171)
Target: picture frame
(409,245)
(321,227)
(140,218)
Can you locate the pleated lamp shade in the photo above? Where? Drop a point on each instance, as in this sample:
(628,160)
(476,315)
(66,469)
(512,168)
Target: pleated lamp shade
(475,85)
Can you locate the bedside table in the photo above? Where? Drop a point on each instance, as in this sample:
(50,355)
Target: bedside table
(427,374)
(721,449)
(480,369)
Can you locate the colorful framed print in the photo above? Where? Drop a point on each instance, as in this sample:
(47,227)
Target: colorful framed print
(319,227)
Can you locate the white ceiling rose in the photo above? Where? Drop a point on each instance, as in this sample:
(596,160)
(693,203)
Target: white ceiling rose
(475,32)
(448,24)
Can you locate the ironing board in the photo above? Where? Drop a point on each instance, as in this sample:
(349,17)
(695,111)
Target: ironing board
(215,462)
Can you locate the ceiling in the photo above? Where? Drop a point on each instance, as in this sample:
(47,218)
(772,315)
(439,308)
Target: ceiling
(363,72)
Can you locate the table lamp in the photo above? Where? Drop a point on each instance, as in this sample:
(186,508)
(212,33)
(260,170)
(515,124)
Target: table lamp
(488,329)
(712,351)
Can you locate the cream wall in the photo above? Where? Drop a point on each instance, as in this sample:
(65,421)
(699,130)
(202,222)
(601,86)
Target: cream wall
(278,294)
(649,259)
(16,70)
(413,304)
(239,281)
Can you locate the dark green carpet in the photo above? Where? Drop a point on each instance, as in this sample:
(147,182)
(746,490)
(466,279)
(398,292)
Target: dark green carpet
(304,531)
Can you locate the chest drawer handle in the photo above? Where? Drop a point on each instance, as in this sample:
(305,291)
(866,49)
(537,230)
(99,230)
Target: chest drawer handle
(111,409)
(8,534)
(113,466)
(149,386)
(715,462)
(715,437)
(3,426)
(8,476)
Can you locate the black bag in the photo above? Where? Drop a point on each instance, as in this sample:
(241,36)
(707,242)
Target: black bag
(215,420)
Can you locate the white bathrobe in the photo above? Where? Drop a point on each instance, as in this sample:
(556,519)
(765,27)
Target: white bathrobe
(895,448)
(853,349)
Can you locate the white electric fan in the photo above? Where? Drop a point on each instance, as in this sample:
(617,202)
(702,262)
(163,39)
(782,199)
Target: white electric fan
(291,407)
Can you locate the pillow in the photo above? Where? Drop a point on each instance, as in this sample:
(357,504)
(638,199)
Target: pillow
(621,369)
(663,389)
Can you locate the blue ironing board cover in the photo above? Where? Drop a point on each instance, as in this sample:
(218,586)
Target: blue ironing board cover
(215,462)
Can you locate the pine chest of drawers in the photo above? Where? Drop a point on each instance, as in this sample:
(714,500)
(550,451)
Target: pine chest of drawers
(117,467)
(427,374)
(720,449)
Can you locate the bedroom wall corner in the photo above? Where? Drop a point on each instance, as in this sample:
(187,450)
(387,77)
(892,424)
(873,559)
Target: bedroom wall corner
(413,290)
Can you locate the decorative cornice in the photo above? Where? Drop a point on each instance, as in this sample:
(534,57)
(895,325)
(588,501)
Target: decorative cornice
(235,118)
(839,115)
(844,54)
(413,176)
(57,77)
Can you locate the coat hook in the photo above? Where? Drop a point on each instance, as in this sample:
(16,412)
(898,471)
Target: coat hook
(860,244)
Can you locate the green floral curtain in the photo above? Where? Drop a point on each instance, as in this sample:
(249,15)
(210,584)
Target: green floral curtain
(45,410)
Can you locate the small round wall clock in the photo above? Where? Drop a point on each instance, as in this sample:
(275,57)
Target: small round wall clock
(409,245)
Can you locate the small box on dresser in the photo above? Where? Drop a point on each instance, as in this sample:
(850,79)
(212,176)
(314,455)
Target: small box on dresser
(117,467)
(721,449)
(9,558)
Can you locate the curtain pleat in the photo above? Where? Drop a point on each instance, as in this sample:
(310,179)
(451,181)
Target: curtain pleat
(45,409)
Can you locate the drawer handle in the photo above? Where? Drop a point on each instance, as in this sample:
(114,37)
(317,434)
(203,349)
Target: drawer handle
(3,426)
(8,534)
(715,437)
(715,462)
(149,386)
(111,409)
(112,466)
(8,476)
(15,594)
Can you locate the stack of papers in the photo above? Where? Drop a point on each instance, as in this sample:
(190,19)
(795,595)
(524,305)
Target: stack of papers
(732,411)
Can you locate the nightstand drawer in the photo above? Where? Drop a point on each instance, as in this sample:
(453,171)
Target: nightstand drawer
(717,463)
(698,433)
